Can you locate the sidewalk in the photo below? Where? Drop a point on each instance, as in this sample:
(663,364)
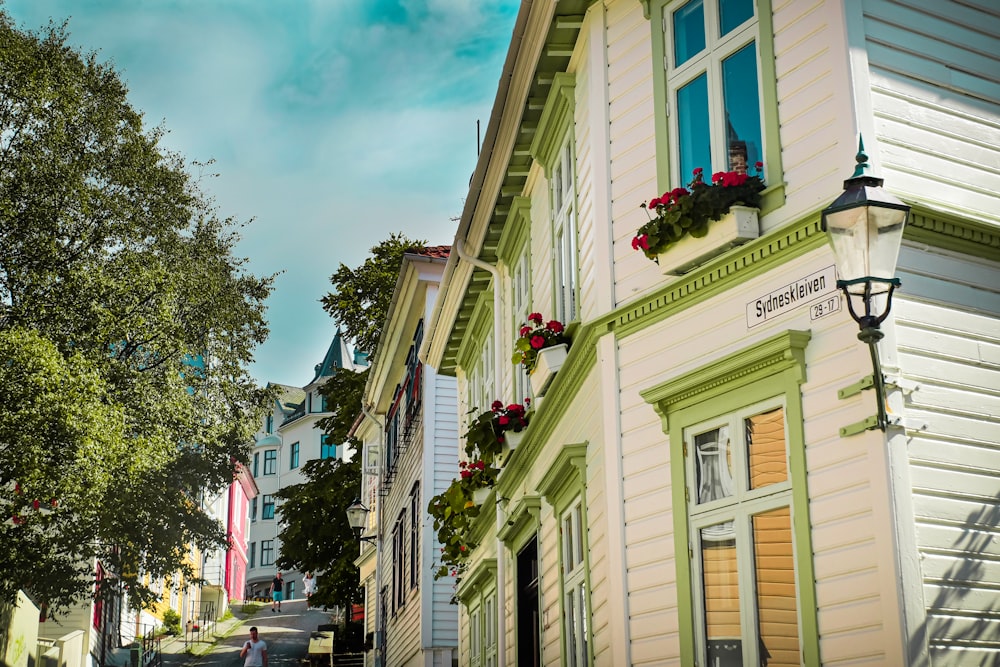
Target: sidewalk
(175,652)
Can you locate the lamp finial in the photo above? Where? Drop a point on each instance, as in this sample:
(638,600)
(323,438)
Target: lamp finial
(862,159)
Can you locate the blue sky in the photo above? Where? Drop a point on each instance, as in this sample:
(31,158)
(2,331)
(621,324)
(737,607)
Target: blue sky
(332,123)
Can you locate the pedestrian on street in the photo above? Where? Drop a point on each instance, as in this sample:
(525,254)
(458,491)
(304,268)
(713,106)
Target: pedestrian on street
(277,591)
(254,651)
(308,584)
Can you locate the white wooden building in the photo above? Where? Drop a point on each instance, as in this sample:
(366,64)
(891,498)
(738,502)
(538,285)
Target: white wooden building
(632,527)
(409,453)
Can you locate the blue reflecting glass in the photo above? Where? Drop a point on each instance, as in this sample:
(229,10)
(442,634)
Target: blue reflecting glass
(694,138)
(689,31)
(733,13)
(742,103)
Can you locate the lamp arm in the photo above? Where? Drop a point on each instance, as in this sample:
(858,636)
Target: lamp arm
(879,381)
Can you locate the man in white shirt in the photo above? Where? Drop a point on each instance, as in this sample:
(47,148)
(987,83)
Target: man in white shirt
(254,651)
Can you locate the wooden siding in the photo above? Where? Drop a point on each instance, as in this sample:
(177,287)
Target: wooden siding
(950,356)
(853,550)
(935,93)
(443,440)
(632,168)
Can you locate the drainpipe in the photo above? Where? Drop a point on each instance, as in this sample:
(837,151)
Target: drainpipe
(500,519)
(379,630)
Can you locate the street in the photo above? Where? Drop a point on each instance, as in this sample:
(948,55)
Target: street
(286,634)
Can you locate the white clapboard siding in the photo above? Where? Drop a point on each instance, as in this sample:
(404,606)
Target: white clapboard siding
(586,218)
(631,150)
(936,100)
(948,356)
(442,429)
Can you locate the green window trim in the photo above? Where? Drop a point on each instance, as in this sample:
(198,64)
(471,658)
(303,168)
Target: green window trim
(555,121)
(516,230)
(480,327)
(562,485)
(523,522)
(477,581)
(771,368)
(774,195)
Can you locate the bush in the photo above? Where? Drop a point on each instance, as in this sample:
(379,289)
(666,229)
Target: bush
(172,622)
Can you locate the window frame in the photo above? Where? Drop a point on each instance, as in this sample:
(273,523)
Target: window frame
(270,462)
(667,168)
(293,456)
(767,372)
(515,251)
(399,589)
(564,487)
(326,449)
(266,507)
(554,148)
(266,553)
(251,555)
(416,512)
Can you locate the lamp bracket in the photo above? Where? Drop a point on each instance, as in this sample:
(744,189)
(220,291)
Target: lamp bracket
(869,424)
(910,424)
(867,382)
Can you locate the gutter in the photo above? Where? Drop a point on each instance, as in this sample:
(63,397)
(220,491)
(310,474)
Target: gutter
(379,621)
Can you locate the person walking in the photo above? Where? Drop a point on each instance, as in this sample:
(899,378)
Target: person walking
(277,591)
(308,584)
(254,651)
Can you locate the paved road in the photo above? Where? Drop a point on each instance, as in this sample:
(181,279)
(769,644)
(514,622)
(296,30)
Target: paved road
(286,634)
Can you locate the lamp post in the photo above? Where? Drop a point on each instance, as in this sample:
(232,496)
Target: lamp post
(357,517)
(865,228)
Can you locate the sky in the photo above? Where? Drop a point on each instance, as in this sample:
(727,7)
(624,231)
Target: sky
(331,123)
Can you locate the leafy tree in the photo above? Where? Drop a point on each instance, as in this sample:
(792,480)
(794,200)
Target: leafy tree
(343,393)
(316,536)
(126,325)
(362,296)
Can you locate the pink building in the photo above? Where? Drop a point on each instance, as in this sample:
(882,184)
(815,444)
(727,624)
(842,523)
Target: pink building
(241,491)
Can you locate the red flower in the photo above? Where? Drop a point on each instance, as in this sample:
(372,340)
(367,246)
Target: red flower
(525,330)
(758,165)
(537,342)
(641,241)
(497,405)
(466,474)
(516,409)
(717,176)
(536,318)
(555,326)
(697,171)
(504,420)
(677,193)
(654,202)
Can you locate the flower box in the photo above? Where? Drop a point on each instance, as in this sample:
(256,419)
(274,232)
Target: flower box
(480,495)
(512,439)
(549,361)
(735,228)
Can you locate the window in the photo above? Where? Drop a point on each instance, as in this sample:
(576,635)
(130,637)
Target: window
(269,425)
(399,586)
(290,590)
(563,199)
(739,433)
(251,553)
(267,507)
(253,508)
(416,512)
(521,297)
(481,380)
(713,85)
(271,462)
(477,593)
(564,486)
(574,586)
(327,450)
(293,461)
(553,149)
(266,553)
(256,463)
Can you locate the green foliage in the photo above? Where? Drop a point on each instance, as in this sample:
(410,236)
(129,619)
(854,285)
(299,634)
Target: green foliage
(128,326)
(316,536)
(454,511)
(688,211)
(360,301)
(172,622)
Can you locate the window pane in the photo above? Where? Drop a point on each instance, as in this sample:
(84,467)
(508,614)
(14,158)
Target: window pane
(742,101)
(720,589)
(694,139)
(578,518)
(775,583)
(732,13)
(689,31)
(765,436)
(714,465)
(568,561)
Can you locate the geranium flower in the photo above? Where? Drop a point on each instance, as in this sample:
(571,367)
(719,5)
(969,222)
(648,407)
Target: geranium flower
(538,342)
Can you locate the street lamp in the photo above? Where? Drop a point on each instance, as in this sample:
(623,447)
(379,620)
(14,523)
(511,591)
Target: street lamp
(357,517)
(865,229)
